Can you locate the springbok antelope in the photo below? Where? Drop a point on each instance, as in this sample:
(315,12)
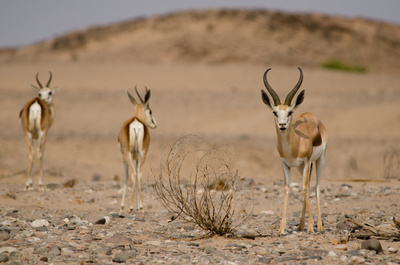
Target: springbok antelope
(301,142)
(36,117)
(133,141)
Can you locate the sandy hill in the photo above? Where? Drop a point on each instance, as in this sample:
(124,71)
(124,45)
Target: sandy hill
(227,36)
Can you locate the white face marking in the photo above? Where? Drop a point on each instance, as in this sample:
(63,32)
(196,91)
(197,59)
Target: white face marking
(283,116)
(46,94)
(150,120)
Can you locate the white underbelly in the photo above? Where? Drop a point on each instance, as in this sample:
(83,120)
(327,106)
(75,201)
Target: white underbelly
(318,151)
(295,162)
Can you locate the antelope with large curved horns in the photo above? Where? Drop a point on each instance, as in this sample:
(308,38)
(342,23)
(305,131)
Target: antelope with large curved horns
(36,118)
(133,141)
(301,143)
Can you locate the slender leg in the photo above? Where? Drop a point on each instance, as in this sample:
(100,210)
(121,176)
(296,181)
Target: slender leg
(42,142)
(286,171)
(125,184)
(29,141)
(306,180)
(319,165)
(303,212)
(139,205)
(133,178)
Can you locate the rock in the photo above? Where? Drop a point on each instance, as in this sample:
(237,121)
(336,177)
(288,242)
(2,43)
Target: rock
(249,236)
(393,250)
(4,235)
(123,257)
(372,244)
(209,249)
(267,212)
(352,253)
(44,259)
(119,239)
(8,249)
(357,260)
(54,250)
(109,251)
(40,223)
(343,226)
(41,229)
(102,221)
(341,247)
(265,260)
(7,223)
(261,252)
(116,215)
(3,258)
(367,253)
(40,250)
(331,254)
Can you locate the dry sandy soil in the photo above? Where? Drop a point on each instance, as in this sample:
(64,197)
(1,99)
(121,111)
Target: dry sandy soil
(206,83)
(220,103)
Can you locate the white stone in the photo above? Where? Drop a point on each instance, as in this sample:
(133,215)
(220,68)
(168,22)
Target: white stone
(268,212)
(331,254)
(40,223)
(341,247)
(357,260)
(6,223)
(7,249)
(393,250)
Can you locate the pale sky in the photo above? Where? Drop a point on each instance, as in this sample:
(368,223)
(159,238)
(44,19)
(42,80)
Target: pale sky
(24,22)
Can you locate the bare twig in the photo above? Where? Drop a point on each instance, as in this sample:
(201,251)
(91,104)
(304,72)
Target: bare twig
(197,185)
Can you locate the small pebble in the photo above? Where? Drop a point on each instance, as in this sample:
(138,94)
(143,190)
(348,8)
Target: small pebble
(341,247)
(393,250)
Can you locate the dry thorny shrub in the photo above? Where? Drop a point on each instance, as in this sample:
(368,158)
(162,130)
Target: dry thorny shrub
(196,184)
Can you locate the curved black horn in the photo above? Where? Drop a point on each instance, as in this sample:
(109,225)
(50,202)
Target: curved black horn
(274,96)
(289,97)
(137,93)
(48,82)
(37,80)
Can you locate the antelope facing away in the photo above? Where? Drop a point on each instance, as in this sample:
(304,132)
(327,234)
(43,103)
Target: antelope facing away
(36,118)
(133,141)
(301,143)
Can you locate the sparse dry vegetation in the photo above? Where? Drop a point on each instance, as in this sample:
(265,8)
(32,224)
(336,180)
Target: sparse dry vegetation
(391,164)
(198,185)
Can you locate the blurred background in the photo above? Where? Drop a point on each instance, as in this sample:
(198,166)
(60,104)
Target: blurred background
(24,22)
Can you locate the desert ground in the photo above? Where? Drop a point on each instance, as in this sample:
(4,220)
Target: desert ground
(222,104)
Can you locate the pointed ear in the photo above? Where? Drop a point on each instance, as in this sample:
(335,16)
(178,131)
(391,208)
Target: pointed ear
(265,99)
(55,89)
(146,99)
(131,98)
(299,99)
(35,88)
(147,96)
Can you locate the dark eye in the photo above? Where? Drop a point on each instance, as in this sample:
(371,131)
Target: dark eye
(50,93)
(290,113)
(151,112)
(275,113)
